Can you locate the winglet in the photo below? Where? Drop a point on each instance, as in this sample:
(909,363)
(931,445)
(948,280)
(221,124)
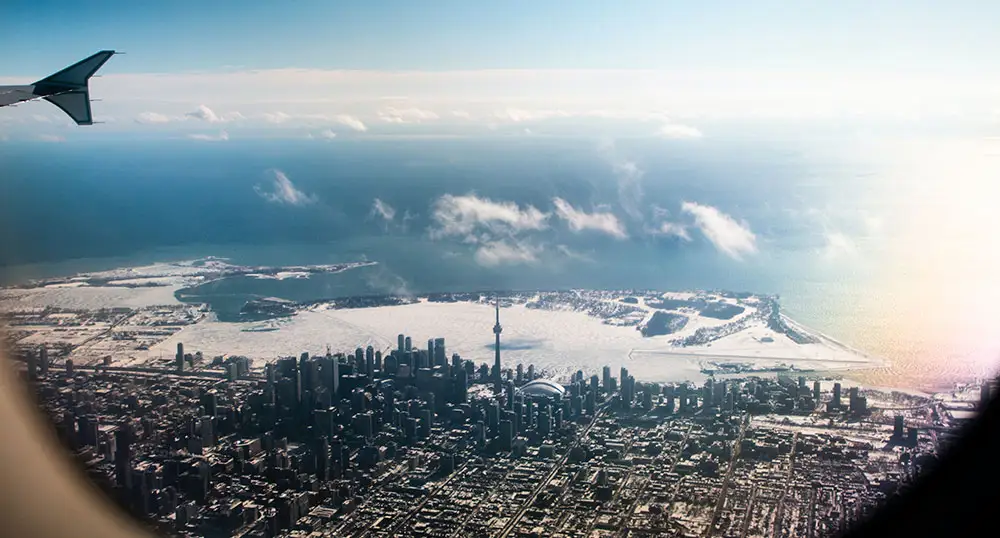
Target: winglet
(76,75)
(67,89)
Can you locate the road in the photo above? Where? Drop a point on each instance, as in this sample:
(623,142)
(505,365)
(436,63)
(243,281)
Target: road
(542,483)
(729,475)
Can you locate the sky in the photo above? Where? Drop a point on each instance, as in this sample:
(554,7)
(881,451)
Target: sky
(326,66)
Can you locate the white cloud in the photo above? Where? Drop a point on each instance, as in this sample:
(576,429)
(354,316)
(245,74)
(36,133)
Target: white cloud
(465,215)
(283,191)
(152,117)
(730,237)
(524,94)
(579,220)
(41,119)
(205,114)
(874,224)
(391,114)
(461,114)
(672,229)
(327,134)
(208,115)
(383,210)
(221,137)
(678,131)
(276,117)
(504,252)
(838,245)
(629,177)
(518,115)
(351,121)
(572,254)
(51,138)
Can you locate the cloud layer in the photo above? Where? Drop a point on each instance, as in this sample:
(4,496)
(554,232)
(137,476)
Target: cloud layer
(579,220)
(505,252)
(221,137)
(468,215)
(282,191)
(730,237)
(679,131)
(382,210)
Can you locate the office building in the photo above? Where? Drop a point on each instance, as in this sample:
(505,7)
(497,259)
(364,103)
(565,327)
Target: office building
(440,354)
(179,358)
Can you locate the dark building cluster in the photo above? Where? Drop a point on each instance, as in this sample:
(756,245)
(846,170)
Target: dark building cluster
(414,442)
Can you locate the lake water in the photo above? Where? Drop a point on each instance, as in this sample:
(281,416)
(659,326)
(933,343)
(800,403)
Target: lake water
(885,243)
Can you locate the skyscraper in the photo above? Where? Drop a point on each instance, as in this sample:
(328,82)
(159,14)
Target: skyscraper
(43,360)
(497,329)
(179,359)
(33,366)
(400,341)
(440,357)
(123,455)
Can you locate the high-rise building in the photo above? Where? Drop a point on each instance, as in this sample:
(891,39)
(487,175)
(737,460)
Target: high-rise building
(606,379)
(519,377)
(407,344)
(836,395)
(497,329)
(853,401)
(506,435)
(43,360)
(530,375)
(123,455)
(440,354)
(32,365)
(400,344)
(816,391)
(898,425)
(179,358)
(69,368)
(210,403)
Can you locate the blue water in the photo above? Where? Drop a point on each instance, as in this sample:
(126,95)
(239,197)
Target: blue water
(99,204)
(914,282)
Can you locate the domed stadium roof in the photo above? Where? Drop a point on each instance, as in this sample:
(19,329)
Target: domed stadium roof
(542,387)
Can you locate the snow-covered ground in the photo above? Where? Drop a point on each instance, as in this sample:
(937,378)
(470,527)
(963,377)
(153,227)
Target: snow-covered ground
(559,336)
(558,342)
(87,297)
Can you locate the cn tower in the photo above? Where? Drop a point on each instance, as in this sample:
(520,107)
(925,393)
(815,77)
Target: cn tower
(497,329)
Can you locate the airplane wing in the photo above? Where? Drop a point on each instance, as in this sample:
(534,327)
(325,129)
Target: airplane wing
(67,89)
(15,94)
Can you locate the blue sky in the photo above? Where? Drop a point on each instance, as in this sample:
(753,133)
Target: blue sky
(183,35)
(347,68)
